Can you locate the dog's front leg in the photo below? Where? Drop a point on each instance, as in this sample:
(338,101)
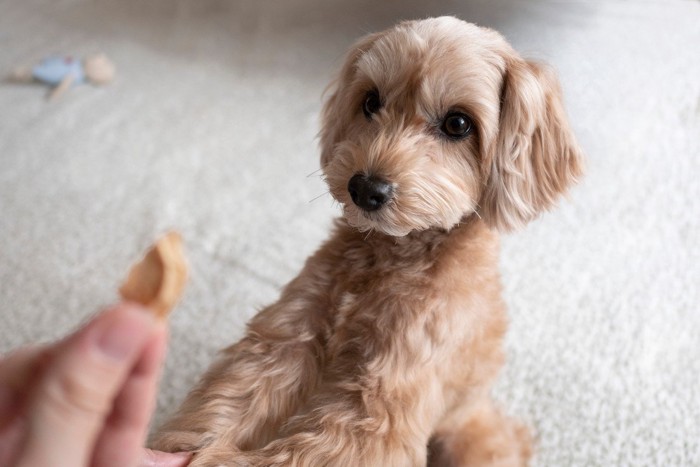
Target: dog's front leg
(258,383)
(244,399)
(339,436)
(358,429)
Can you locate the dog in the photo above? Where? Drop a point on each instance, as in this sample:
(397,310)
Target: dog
(436,136)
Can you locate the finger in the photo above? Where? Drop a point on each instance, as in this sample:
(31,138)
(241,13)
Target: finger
(121,441)
(68,408)
(17,370)
(164,459)
(17,367)
(11,438)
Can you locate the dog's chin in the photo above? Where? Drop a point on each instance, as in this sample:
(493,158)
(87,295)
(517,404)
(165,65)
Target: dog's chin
(374,222)
(387,223)
(379,227)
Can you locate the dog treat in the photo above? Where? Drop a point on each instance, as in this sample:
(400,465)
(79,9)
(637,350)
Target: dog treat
(158,279)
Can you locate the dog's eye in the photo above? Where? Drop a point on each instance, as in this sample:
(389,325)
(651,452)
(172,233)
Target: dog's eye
(457,125)
(372,103)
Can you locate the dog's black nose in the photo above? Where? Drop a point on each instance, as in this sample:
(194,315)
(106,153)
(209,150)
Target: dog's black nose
(369,192)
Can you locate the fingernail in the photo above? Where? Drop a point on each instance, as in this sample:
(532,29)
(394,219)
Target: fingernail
(125,332)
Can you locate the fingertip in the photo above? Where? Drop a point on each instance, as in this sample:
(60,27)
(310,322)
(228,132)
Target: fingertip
(153,354)
(131,305)
(153,458)
(178,459)
(123,333)
(131,309)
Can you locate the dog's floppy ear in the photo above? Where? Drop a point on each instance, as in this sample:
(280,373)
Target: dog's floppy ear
(534,158)
(337,109)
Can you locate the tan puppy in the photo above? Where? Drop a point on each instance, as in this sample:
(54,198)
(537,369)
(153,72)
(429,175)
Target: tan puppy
(383,350)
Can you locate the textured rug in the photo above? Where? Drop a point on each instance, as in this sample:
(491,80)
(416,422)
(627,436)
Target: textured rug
(210,129)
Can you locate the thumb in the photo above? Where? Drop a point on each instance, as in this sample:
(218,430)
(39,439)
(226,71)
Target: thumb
(69,405)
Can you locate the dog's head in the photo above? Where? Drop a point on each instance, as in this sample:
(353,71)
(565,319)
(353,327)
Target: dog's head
(434,120)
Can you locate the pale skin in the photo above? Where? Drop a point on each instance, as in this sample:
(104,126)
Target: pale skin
(87,399)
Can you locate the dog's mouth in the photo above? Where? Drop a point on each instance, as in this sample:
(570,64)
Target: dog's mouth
(373,221)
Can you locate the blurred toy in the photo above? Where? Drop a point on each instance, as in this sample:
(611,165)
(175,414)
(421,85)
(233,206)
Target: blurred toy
(63,72)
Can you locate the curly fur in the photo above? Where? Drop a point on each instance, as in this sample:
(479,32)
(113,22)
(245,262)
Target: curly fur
(382,351)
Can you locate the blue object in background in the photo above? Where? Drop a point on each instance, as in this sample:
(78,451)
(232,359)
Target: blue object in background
(52,70)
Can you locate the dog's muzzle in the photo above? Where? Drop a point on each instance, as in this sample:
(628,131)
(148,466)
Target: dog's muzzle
(369,192)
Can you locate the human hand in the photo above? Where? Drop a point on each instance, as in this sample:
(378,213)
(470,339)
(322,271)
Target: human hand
(87,399)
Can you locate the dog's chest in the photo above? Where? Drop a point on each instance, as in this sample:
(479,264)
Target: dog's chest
(379,301)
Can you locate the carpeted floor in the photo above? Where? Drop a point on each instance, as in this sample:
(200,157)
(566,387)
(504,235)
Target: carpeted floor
(210,129)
